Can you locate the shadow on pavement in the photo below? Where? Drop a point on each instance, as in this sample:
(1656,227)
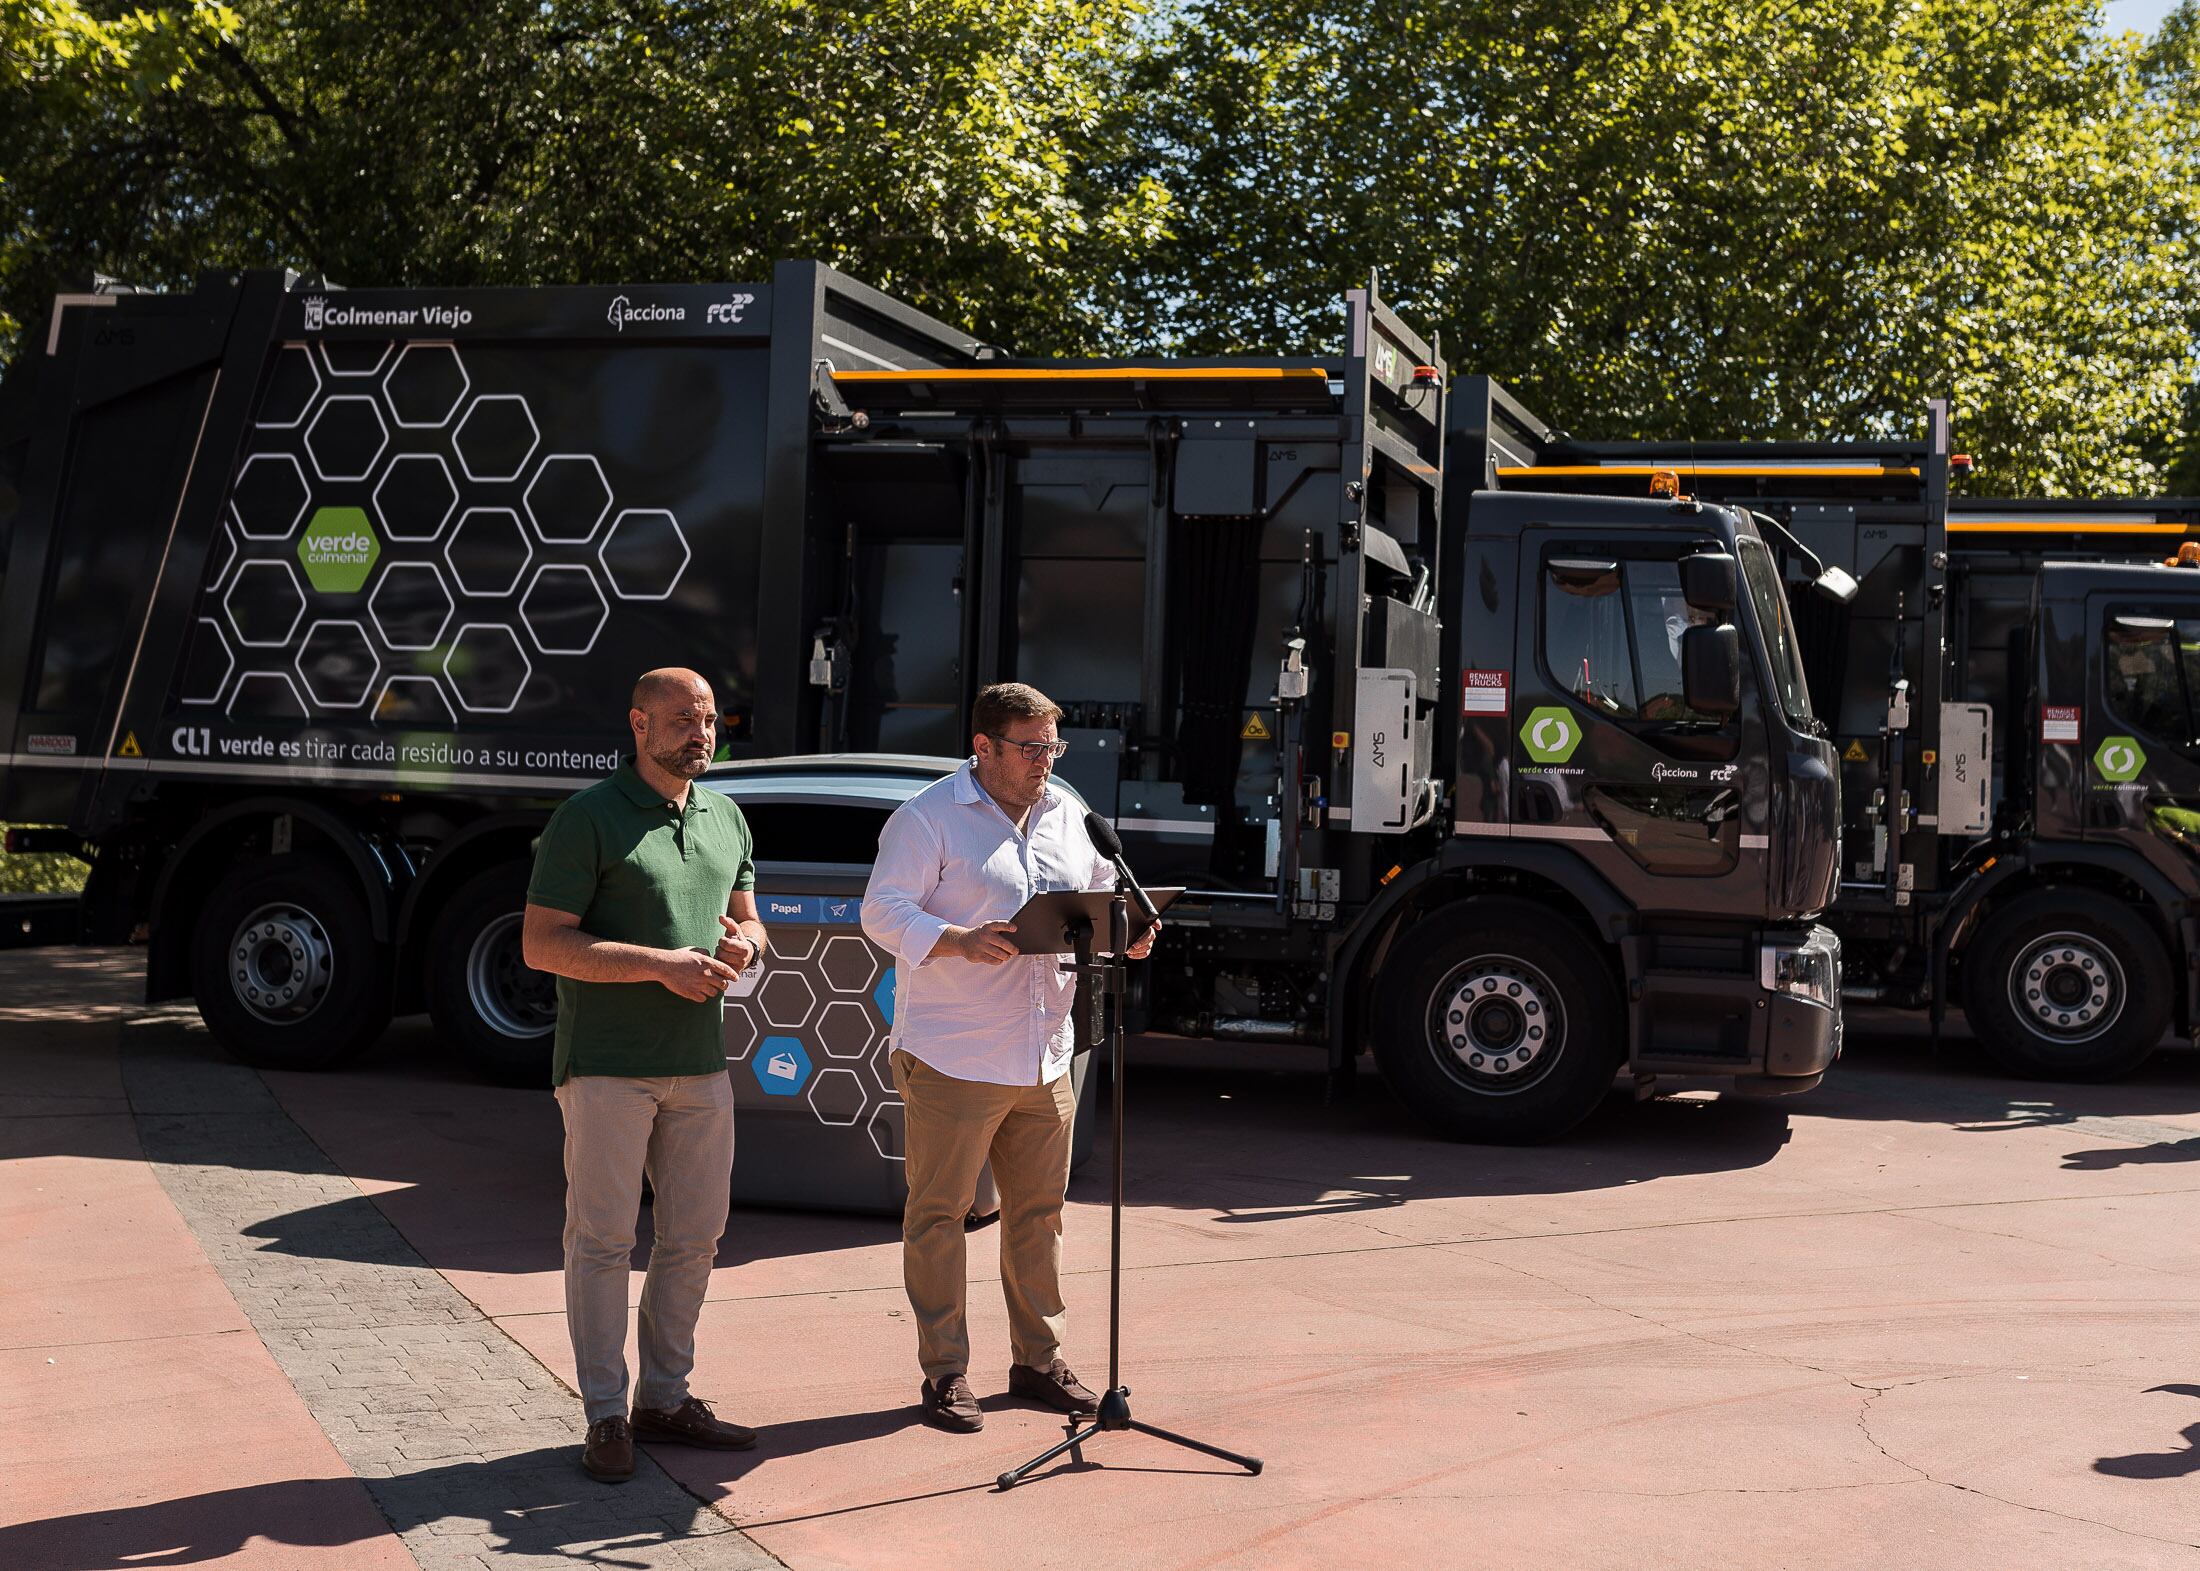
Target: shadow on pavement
(544,1506)
(2181,1463)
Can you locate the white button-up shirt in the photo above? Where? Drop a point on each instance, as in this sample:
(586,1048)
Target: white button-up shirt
(950,857)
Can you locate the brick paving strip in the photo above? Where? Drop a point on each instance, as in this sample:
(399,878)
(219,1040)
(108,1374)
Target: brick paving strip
(467,1444)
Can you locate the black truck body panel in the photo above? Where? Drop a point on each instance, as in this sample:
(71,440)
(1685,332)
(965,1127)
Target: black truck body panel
(373,570)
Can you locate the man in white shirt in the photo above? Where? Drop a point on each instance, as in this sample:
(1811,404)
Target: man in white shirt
(982,1041)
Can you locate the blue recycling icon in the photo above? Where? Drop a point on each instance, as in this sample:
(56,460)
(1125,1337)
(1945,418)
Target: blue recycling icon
(883,995)
(781,1065)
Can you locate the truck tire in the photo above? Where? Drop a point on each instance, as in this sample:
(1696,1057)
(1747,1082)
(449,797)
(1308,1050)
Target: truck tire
(285,967)
(2064,984)
(486,1000)
(1497,1023)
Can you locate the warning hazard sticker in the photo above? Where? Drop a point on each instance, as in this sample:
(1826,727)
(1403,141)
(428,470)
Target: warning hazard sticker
(1854,753)
(1255,730)
(1484,693)
(2058,722)
(129,747)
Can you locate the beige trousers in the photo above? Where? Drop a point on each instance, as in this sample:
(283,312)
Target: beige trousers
(954,1126)
(679,1130)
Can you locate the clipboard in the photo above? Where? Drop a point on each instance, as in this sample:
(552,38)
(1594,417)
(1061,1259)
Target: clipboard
(1047,924)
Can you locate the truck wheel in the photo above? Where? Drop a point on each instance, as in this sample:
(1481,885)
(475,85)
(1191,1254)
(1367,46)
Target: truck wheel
(487,1002)
(285,966)
(2065,985)
(1497,1023)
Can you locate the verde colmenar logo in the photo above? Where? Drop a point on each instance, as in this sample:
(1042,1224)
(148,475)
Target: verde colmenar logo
(1550,734)
(2119,758)
(339,550)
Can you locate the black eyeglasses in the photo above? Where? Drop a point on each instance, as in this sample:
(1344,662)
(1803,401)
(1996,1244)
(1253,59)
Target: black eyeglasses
(1033,752)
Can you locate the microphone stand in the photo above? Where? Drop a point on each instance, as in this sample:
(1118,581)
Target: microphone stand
(1111,974)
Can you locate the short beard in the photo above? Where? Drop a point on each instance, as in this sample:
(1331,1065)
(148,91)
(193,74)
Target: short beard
(679,764)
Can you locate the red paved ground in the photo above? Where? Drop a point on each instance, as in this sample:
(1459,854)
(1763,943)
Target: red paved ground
(144,1421)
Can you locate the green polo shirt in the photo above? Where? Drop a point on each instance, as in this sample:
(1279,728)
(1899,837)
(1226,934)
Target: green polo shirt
(637,871)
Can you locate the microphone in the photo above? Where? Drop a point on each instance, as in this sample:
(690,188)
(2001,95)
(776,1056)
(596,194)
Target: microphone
(1110,845)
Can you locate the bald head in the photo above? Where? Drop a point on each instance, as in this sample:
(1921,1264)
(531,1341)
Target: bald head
(675,721)
(668,682)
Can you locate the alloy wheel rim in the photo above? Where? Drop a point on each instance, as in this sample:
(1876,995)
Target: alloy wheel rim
(504,990)
(2067,987)
(1496,1024)
(281,963)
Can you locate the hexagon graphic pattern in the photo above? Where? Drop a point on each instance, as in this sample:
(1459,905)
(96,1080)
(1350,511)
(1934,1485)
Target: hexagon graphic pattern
(264,604)
(416,702)
(889,1132)
(221,556)
(426,386)
(844,1030)
(741,1032)
(644,554)
(266,695)
(415,497)
(883,995)
(488,552)
(781,1066)
(496,437)
(487,668)
(204,681)
(337,665)
(849,963)
(567,499)
(338,550)
(293,382)
(787,1000)
(836,1097)
(270,497)
(355,356)
(346,437)
(794,944)
(563,610)
(882,1066)
(409,606)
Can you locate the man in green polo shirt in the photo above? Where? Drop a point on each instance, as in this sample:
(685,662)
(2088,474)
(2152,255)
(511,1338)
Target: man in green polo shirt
(642,905)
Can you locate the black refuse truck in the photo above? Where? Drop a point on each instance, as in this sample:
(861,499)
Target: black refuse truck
(315,602)
(2012,687)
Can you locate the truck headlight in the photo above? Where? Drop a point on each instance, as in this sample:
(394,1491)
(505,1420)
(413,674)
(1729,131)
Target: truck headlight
(1810,970)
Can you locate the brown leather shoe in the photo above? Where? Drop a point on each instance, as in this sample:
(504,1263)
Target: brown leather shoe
(953,1406)
(608,1455)
(1055,1386)
(692,1423)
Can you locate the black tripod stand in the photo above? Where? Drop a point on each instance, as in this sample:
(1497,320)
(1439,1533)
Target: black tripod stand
(1110,974)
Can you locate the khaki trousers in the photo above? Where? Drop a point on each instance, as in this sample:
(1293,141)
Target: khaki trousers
(954,1126)
(679,1130)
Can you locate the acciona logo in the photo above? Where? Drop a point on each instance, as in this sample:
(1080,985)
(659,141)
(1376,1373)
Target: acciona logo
(623,312)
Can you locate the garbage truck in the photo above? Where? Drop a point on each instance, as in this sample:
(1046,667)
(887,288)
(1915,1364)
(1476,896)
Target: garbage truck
(2011,686)
(316,601)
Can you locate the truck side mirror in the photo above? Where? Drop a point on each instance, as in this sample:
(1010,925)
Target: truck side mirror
(1711,670)
(1707,581)
(1835,585)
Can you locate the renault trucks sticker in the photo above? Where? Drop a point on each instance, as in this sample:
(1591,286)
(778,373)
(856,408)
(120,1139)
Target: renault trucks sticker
(2058,722)
(1485,693)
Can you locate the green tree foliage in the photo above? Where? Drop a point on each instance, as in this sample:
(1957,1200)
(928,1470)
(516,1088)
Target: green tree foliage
(42,874)
(936,148)
(1664,217)
(75,81)
(2173,77)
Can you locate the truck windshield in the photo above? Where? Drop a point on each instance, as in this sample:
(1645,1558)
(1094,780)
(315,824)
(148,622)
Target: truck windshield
(1767,595)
